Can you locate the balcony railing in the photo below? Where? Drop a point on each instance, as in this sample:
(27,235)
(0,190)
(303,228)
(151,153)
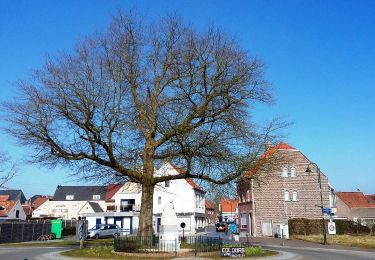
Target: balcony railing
(123,208)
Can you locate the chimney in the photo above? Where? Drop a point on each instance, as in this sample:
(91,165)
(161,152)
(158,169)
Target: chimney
(267,145)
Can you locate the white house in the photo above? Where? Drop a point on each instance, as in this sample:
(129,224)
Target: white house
(187,196)
(71,202)
(11,209)
(123,210)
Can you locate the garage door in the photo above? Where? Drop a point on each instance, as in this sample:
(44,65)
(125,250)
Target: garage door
(267,229)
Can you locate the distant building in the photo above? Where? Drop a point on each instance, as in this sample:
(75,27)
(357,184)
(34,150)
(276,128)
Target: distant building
(355,206)
(70,202)
(11,210)
(278,188)
(211,216)
(228,209)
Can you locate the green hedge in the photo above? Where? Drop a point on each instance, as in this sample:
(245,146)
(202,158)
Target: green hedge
(303,226)
(68,231)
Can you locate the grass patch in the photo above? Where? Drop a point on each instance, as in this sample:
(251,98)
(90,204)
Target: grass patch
(258,251)
(364,241)
(102,252)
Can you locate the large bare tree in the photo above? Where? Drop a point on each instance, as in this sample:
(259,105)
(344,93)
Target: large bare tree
(8,170)
(140,93)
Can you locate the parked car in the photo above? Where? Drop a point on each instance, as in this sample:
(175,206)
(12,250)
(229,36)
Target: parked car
(104,230)
(220,227)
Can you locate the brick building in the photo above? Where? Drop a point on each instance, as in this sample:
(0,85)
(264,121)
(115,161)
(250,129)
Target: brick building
(355,206)
(211,215)
(278,188)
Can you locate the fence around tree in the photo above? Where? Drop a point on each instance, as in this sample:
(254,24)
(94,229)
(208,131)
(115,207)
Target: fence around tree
(153,244)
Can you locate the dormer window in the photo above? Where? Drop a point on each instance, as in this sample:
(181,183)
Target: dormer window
(69,197)
(96,197)
(285,172)
(293,172)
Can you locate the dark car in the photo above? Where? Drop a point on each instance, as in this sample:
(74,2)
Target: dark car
(220,227)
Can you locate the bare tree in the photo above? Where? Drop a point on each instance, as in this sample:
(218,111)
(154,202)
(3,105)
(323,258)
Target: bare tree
(140,94)
(8,170)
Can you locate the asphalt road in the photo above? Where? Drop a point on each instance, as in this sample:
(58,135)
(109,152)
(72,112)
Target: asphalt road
(30,253)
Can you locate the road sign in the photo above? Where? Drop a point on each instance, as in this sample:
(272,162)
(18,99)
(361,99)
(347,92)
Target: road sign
(327,210)
(331,228)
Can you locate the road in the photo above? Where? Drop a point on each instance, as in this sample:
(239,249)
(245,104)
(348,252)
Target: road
(30,253)
(302,250)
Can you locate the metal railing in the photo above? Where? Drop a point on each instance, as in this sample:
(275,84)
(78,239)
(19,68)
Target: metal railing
(144,244)
(201,243)
(127,208)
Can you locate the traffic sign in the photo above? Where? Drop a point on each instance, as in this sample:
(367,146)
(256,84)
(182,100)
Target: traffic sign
(331,228)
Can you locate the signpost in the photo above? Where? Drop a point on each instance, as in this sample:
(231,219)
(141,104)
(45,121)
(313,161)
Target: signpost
(331,228)
(183,225)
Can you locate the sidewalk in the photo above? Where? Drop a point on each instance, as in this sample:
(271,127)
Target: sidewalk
(263,241)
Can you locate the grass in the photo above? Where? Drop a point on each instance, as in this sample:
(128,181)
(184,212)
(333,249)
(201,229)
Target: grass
(106,253)
(102,252)
(364,241)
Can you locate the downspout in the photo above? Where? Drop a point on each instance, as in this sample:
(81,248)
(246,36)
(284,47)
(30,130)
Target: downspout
(253,208)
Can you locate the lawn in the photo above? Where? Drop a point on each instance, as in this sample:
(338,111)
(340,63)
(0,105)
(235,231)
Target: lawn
(106,253)
(345,240)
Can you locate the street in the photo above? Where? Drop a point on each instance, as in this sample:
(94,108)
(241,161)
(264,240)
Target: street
(28,253)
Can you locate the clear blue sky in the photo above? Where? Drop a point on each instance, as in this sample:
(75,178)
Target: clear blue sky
(320,58)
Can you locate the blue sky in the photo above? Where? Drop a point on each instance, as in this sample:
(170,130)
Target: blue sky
(319,55)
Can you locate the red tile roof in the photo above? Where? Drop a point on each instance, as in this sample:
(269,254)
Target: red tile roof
(39,201)
(228,205)
(8,206)
(209,204)
(189,180)
(371,198)
(111,191)
(355,199)
(27,210)
(267,154)
(4,197)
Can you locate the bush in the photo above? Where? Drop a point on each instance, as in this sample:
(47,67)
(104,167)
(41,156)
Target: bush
(303,226)
(68,231)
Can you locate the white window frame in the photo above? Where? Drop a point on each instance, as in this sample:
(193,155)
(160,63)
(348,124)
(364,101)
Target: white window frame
(69,197)
(286,196)
(284,172)
(295,196)
(293,172)
(244,214)
(96,197)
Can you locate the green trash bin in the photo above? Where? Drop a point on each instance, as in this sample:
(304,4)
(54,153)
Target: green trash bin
(56,227)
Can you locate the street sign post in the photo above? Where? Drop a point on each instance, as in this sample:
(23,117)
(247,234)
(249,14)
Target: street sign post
(331,228)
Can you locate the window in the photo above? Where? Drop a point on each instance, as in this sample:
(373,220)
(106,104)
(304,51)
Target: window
(17,213)
(159,200)
(285,172)
(286,196)
(294,196)
(69,197)
(243,220)
(293,172)
(96,197)
(167,183)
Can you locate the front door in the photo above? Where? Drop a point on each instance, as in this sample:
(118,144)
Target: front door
(158,222)
(127,226)
(98,221)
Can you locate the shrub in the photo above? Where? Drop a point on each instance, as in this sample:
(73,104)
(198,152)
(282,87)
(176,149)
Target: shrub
(68,231)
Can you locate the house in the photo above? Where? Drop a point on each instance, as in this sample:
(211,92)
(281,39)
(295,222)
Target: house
(123,206)
(211,216)
(14,195)
(187,197)
(282,184)
(228,209)
(355,206)
(11,210)
(70,202)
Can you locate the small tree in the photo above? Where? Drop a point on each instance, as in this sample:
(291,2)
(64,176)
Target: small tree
(139,94)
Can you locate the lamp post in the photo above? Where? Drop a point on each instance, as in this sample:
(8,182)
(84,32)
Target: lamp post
(321,199)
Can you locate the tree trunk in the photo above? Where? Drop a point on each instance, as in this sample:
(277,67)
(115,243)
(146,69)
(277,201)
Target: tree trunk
(145,217)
